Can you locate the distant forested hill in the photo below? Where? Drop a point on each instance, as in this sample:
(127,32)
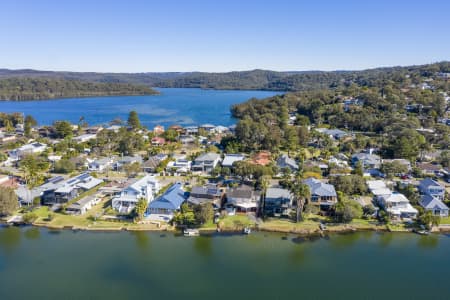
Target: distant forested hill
(245,80)
(23,88)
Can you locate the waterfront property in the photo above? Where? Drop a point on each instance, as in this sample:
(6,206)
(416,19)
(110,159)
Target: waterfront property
(168,203)
(243,198)
(433,204)
(81,206)
(144,188)
(209,193)
(322,194)
(61,191)
(278,202)
(398,206)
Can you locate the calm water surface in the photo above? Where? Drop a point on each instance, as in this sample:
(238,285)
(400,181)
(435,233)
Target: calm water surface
(41,264)
(173,106)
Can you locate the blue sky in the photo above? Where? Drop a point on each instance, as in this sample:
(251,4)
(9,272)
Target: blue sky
(194,35)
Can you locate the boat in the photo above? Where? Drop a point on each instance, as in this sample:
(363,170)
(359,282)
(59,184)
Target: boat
(322,226)
(191,232)
(247,230)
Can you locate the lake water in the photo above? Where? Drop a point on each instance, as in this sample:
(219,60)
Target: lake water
(172,106)
(41,264)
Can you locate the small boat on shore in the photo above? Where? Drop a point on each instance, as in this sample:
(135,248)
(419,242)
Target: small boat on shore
(191,232)
(322,226)
(247,230)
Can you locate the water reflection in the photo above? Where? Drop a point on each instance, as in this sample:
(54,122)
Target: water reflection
(203,245)
(385,239)
(10,238)
(428,241)
(33,233)
(142,240)
(344,240)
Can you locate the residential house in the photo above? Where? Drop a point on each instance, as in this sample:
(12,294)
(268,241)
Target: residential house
(127,160)
(262,158)
(321,194)
(57,190)
(398,206)
(191,130)
(84,138)
(181,165)
(93,129)
(158,141)
(230,159)
(284,161)
(158,130)
(433,204)
(153,162)
(81,206)
(165,206)
(431,187)
(208,127)
(336,134)
(206,162)
(278,202)
(144,188)
(209,193)
(186,139)
(243,198)
(429,168)
(379,189)
(33,148)
(100,165)
(368,161)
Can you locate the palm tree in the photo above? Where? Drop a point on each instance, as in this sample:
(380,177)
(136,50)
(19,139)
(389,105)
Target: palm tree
(301,193)
(264,186)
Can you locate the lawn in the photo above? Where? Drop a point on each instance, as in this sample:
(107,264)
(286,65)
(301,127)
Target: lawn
(236,222)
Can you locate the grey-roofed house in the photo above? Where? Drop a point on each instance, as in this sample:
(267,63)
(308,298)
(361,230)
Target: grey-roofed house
(169,202)
(284,161)
(333,133)
(243,198)
(127,160)
(206,162)
(209,193)
(431,187)
(433,204)
(153,162)
(368,161)
(230,159)
(81,206)
(278,202)
(101,164)
(322,194)
(58,190)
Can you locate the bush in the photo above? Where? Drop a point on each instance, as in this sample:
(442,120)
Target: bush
(30,217)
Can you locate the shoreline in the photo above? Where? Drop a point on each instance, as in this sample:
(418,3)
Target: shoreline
(209,231)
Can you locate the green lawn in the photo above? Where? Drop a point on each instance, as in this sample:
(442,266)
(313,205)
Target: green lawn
(236,222)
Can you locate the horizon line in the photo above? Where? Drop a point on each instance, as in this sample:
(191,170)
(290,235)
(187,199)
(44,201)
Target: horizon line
(232,71)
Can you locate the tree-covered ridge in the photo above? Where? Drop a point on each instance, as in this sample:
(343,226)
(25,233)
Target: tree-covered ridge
(392,110)
(248,80)
(19,89)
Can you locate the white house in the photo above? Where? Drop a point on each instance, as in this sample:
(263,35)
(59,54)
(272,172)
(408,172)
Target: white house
(100,165)
(398,206)
(84,137)
(32,148)
(146,187)
(230,159)
(206,162)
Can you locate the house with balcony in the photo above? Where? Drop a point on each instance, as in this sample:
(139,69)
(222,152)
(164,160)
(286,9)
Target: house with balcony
(321,194)
(209,193)
(143,188)
(433,204)
(32,148)
(398,206)
(181,165)
(431,187)
(58,191)
(243,199)
(278,202)
(206,162)
(165,206)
